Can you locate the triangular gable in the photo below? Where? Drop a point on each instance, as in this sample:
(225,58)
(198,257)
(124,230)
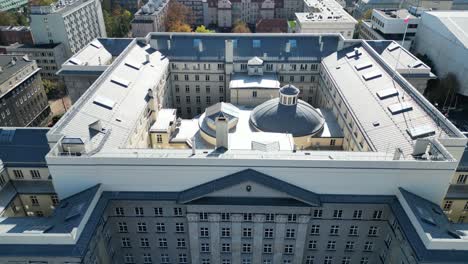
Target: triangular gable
(248,176)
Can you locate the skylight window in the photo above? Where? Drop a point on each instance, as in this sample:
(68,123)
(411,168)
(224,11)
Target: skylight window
(400,108)
(256,43)
(120,81)
(133,65)
(393,47)
(104,102)
(353,54)
(420,132)
(96,44)
(75,61)
(372,75)
(293,43)
(362,66)
(387,93)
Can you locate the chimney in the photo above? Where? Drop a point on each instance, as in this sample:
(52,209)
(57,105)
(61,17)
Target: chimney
(222,131)
(229,52)
(148,58)
(194,146)
(397,154)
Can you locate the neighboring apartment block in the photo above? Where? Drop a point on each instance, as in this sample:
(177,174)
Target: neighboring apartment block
(447,31)
(455,204)
(49,57)
(130,5)
(6,5)
(390,24)
(25,185)
(150,18)
(74,23)
(325,16)
(23,101)
(363,6)
(277,168)
(15,34)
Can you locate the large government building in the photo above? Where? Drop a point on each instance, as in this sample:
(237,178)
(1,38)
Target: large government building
(243,149)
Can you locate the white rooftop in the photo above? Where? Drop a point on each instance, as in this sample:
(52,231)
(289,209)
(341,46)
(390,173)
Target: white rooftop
(321,11)
(456,23)
(163,120)
(265,81)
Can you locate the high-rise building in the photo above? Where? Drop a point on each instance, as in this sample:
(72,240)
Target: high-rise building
(311,149)
(23,101)
(74,23)
(150,18)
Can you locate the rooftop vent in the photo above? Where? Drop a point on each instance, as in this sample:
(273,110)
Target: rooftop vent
(96,44)
(133,65)
(75,61)
(120,81)
(363,66)
(420,132)
(354,54)
(104,102)
(387,93)
(372,75)
(400,108)
(393,47)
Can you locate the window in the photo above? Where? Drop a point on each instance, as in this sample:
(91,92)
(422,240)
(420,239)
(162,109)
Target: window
(357,214)
(377,215)
(247,232)
(221,78)
(182,258)
(346,260)
(256,43)
(180,227)
(318,213)
(186,78)
(119,211)
(364,260)
(177,88)
(205,261)
(147,258)
(207,77)
(203,216)
(139,211)
(466,206)
(448,205)
(246,261)
(292,218)
(204,232)
(315,230)
(144,243)
(225,216)
(126,242)
(197,77)
(164,258)
(331,245)
(349,246)
(158,211)
(35,174)
(246,248)
(181,243)
(2,181)
(34,200)
(160,227)
(462,178)
(388,240)
(290,233)
(123,228)
(312,245)
(177,98)
(18,174)
(328,260)
(205,247)
(247,216)
(128,258)
(187,99)
(268,233)
(337,214)
(334,230)
(225,232)
(162,242)
(141,227)
(267,248)
(178,211)
(353,230)
(159,138)
(225,261)
(55,199)
(288,249)
(226,248)
(373,231)
(310,260)
(270,217)
(368,246)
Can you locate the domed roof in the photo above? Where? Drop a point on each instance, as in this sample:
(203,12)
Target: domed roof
(289,90)
(299,119)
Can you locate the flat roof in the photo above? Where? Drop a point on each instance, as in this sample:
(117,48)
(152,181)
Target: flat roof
(395,13)
(24,147)
(163,120)
(324,11)
(9,69)
(245,81)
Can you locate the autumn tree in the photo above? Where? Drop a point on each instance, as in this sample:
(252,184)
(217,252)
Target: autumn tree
(117,21)
(178,18)
(240,27)
(13,19)
(203,29)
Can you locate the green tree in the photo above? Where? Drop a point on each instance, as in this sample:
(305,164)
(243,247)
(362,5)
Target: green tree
(203,29)
(367,15)
(117,21)
(7,19)
(240,27)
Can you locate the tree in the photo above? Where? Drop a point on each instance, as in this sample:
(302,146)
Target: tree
(178,18)
(117,21)
(203,29)
(367,15)
(42,2)
(240,27)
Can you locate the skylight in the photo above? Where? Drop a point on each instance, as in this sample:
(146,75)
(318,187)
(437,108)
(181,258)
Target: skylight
(133,65)
(104,102)
(362,66)
(371,75)
(387,93)
(393,47)
(120,81)
(400,108)
(420,131)
(352,54)
(96,44)
(75,61)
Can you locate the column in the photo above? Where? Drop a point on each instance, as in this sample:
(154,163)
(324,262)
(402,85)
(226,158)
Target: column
(192,220)
(214,237)
(280,229)
(258,238)
(300,238)
(236,238)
